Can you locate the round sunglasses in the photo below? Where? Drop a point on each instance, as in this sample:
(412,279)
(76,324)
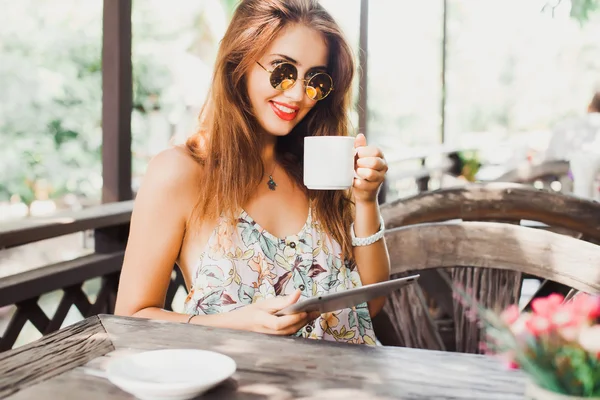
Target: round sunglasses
(285,75)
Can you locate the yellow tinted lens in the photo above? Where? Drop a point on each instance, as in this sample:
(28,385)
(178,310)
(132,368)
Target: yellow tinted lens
(311,92)
(286,84)
(319,86)
(284,76)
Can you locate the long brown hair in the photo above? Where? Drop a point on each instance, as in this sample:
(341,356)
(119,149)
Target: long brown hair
(227,142)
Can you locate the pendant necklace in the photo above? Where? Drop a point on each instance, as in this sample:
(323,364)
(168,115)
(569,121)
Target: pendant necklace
(271,183)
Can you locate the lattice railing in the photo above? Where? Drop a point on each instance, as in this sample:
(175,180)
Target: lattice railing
(29,310)
(26,293)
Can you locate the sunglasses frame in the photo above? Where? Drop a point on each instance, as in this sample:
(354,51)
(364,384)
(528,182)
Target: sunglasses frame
(304,80)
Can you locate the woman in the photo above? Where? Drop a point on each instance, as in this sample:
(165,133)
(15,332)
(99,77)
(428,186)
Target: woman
(230,208)
(581,133)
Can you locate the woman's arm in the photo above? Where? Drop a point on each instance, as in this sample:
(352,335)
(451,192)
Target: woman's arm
(156,233)
(373,261)
(158,222)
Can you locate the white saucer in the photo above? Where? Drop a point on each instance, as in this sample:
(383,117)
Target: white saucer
(172,374)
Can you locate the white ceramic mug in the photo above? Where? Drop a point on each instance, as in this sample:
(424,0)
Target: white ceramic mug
(328,162)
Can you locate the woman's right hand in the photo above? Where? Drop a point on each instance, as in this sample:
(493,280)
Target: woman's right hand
(259,317)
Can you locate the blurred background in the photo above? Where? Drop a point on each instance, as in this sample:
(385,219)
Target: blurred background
(492,75)
(513,70)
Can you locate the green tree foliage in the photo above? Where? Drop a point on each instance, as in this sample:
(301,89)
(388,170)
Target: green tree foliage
(51,98)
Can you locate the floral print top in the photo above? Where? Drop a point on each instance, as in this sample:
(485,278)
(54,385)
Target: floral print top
(244,263)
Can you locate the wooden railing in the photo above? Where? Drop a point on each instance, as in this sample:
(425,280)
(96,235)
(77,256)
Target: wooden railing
(416,171)
(527,173)
(110,223)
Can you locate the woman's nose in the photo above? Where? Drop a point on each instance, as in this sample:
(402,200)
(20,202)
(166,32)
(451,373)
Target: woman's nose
(296,92)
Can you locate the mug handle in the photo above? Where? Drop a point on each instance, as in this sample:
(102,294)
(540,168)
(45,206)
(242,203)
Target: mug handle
(356,166)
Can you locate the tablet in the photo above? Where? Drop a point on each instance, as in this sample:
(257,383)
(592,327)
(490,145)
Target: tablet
(347,298)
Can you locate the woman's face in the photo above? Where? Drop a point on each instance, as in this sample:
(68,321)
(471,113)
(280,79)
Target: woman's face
(279,111)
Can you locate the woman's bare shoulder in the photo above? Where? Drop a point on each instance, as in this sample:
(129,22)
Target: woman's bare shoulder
(172,178)
(174,168)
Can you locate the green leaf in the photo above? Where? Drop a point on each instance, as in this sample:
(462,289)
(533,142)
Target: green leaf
(352,319)
(214,274)
(212,309)
(581,370)
(300,279)
(349,335)
(237,278)
(249,235)
(246,294)
(364,319)
(59,133)
(248,254)
(211,301)
(268,247)
(316,252)
(329,284)
(369,340)
(582,9)
(282,262)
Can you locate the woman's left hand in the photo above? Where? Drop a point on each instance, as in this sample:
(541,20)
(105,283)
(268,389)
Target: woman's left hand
(370,167)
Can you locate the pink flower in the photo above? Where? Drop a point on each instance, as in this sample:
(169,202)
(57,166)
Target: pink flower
(512,365)
(510,315)
(568,322)
(586,305)
(509,360)
(483,347)
(538,325)
(546,306)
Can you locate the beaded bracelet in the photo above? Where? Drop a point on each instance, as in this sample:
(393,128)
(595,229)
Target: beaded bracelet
(368,240)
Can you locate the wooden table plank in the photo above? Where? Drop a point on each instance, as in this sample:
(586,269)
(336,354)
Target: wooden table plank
(52,355)
(266,380)
(288,368)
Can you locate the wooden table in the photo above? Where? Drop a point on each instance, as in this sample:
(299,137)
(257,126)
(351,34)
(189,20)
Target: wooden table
(67,364)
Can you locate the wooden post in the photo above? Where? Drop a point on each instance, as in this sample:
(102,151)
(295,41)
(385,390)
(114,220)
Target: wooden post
(363,66)
(117,100)
(443,73)
(363,60)
(117,103)
(423,183)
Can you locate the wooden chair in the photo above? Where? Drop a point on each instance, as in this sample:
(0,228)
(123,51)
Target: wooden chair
(509,202)
(504,202)
(488,246)
(528,173)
